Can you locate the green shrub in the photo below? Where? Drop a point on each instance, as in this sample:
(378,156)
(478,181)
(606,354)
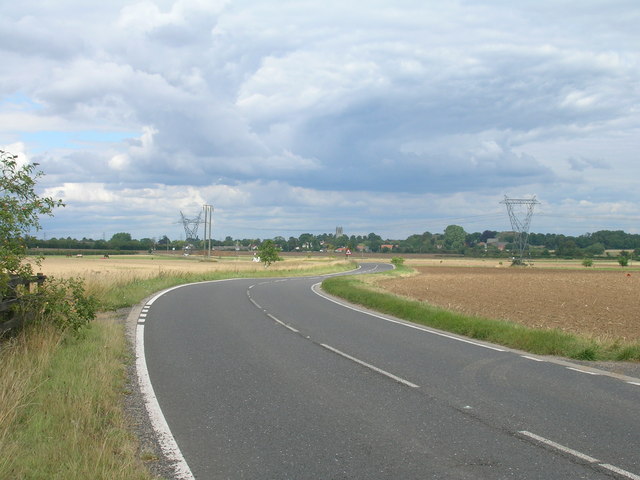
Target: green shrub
(61,302)
(587,262)
(397,261)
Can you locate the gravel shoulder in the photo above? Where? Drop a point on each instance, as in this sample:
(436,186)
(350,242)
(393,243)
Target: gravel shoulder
(134,404)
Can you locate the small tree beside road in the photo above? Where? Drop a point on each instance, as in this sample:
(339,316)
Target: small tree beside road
(268,253)
(20,209)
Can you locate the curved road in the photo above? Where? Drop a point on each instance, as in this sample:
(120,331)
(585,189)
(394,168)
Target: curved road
(268,379)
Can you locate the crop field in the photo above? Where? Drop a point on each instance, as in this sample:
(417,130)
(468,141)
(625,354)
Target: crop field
(103,275)
(601,303)
(95,267)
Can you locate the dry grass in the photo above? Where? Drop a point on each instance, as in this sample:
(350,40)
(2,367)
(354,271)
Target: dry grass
(147,266)
(23,361)
(108,274)
(60,413)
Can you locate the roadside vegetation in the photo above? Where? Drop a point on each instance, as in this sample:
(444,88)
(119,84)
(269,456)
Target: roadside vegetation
(362,290)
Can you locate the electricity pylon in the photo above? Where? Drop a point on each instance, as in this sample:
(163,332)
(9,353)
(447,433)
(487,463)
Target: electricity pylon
(520,211)
(191,226)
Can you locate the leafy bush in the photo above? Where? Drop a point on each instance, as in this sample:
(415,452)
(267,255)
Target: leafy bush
(623,260)
(61,302)
(587,262)
(397,261)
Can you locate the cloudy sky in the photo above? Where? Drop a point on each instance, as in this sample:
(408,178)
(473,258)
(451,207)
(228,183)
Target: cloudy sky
(394,117)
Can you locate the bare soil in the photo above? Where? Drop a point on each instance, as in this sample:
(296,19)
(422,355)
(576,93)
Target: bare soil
(602,304)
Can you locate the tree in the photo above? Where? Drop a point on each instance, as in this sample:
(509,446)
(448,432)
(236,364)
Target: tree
(121,237)
(373,242)
(487,234)
(164,241)
(20,209)
(307,241)
(567,248)
(594,249)
(623,258)
(268,253)
(454,237)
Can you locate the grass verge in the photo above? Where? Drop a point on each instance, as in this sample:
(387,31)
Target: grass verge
(61,414)
(64,418)
(541,342)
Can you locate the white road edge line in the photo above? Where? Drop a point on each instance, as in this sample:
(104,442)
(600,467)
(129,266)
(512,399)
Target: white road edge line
(408,325)
(557,446)
(167,442)
(634,383)
(532,358)
(620,471)
(371,367)
(575,453)
(582,371)
(282,323)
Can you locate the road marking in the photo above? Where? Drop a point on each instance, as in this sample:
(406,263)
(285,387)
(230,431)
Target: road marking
(404,324)
(532,358)
(255,303)
(582,371)
(371,367)
(167,442)
(161,293)
(634,383)
(282,323)
(557,446)
(575,453)
(620,471)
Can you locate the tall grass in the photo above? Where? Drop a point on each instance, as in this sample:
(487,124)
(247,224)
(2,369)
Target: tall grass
(23,360)
(543,342)
(61,415)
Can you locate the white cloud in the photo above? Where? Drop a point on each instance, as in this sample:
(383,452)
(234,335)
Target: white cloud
(19,151)
(120,161)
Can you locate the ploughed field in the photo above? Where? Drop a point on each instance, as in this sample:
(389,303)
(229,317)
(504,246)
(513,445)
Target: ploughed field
(598,303)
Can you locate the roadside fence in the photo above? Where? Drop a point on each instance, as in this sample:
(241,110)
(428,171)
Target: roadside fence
(14,295)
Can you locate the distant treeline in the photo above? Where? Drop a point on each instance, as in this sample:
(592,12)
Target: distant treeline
(453,240)
(78,251)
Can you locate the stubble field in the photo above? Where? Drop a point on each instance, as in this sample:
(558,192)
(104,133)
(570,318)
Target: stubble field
(603,303)
(146,266)
(600,303)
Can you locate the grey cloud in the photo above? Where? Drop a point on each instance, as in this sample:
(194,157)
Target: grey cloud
(580,164)
(404,98)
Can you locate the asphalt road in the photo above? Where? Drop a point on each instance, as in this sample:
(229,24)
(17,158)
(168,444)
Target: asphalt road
(267,379)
